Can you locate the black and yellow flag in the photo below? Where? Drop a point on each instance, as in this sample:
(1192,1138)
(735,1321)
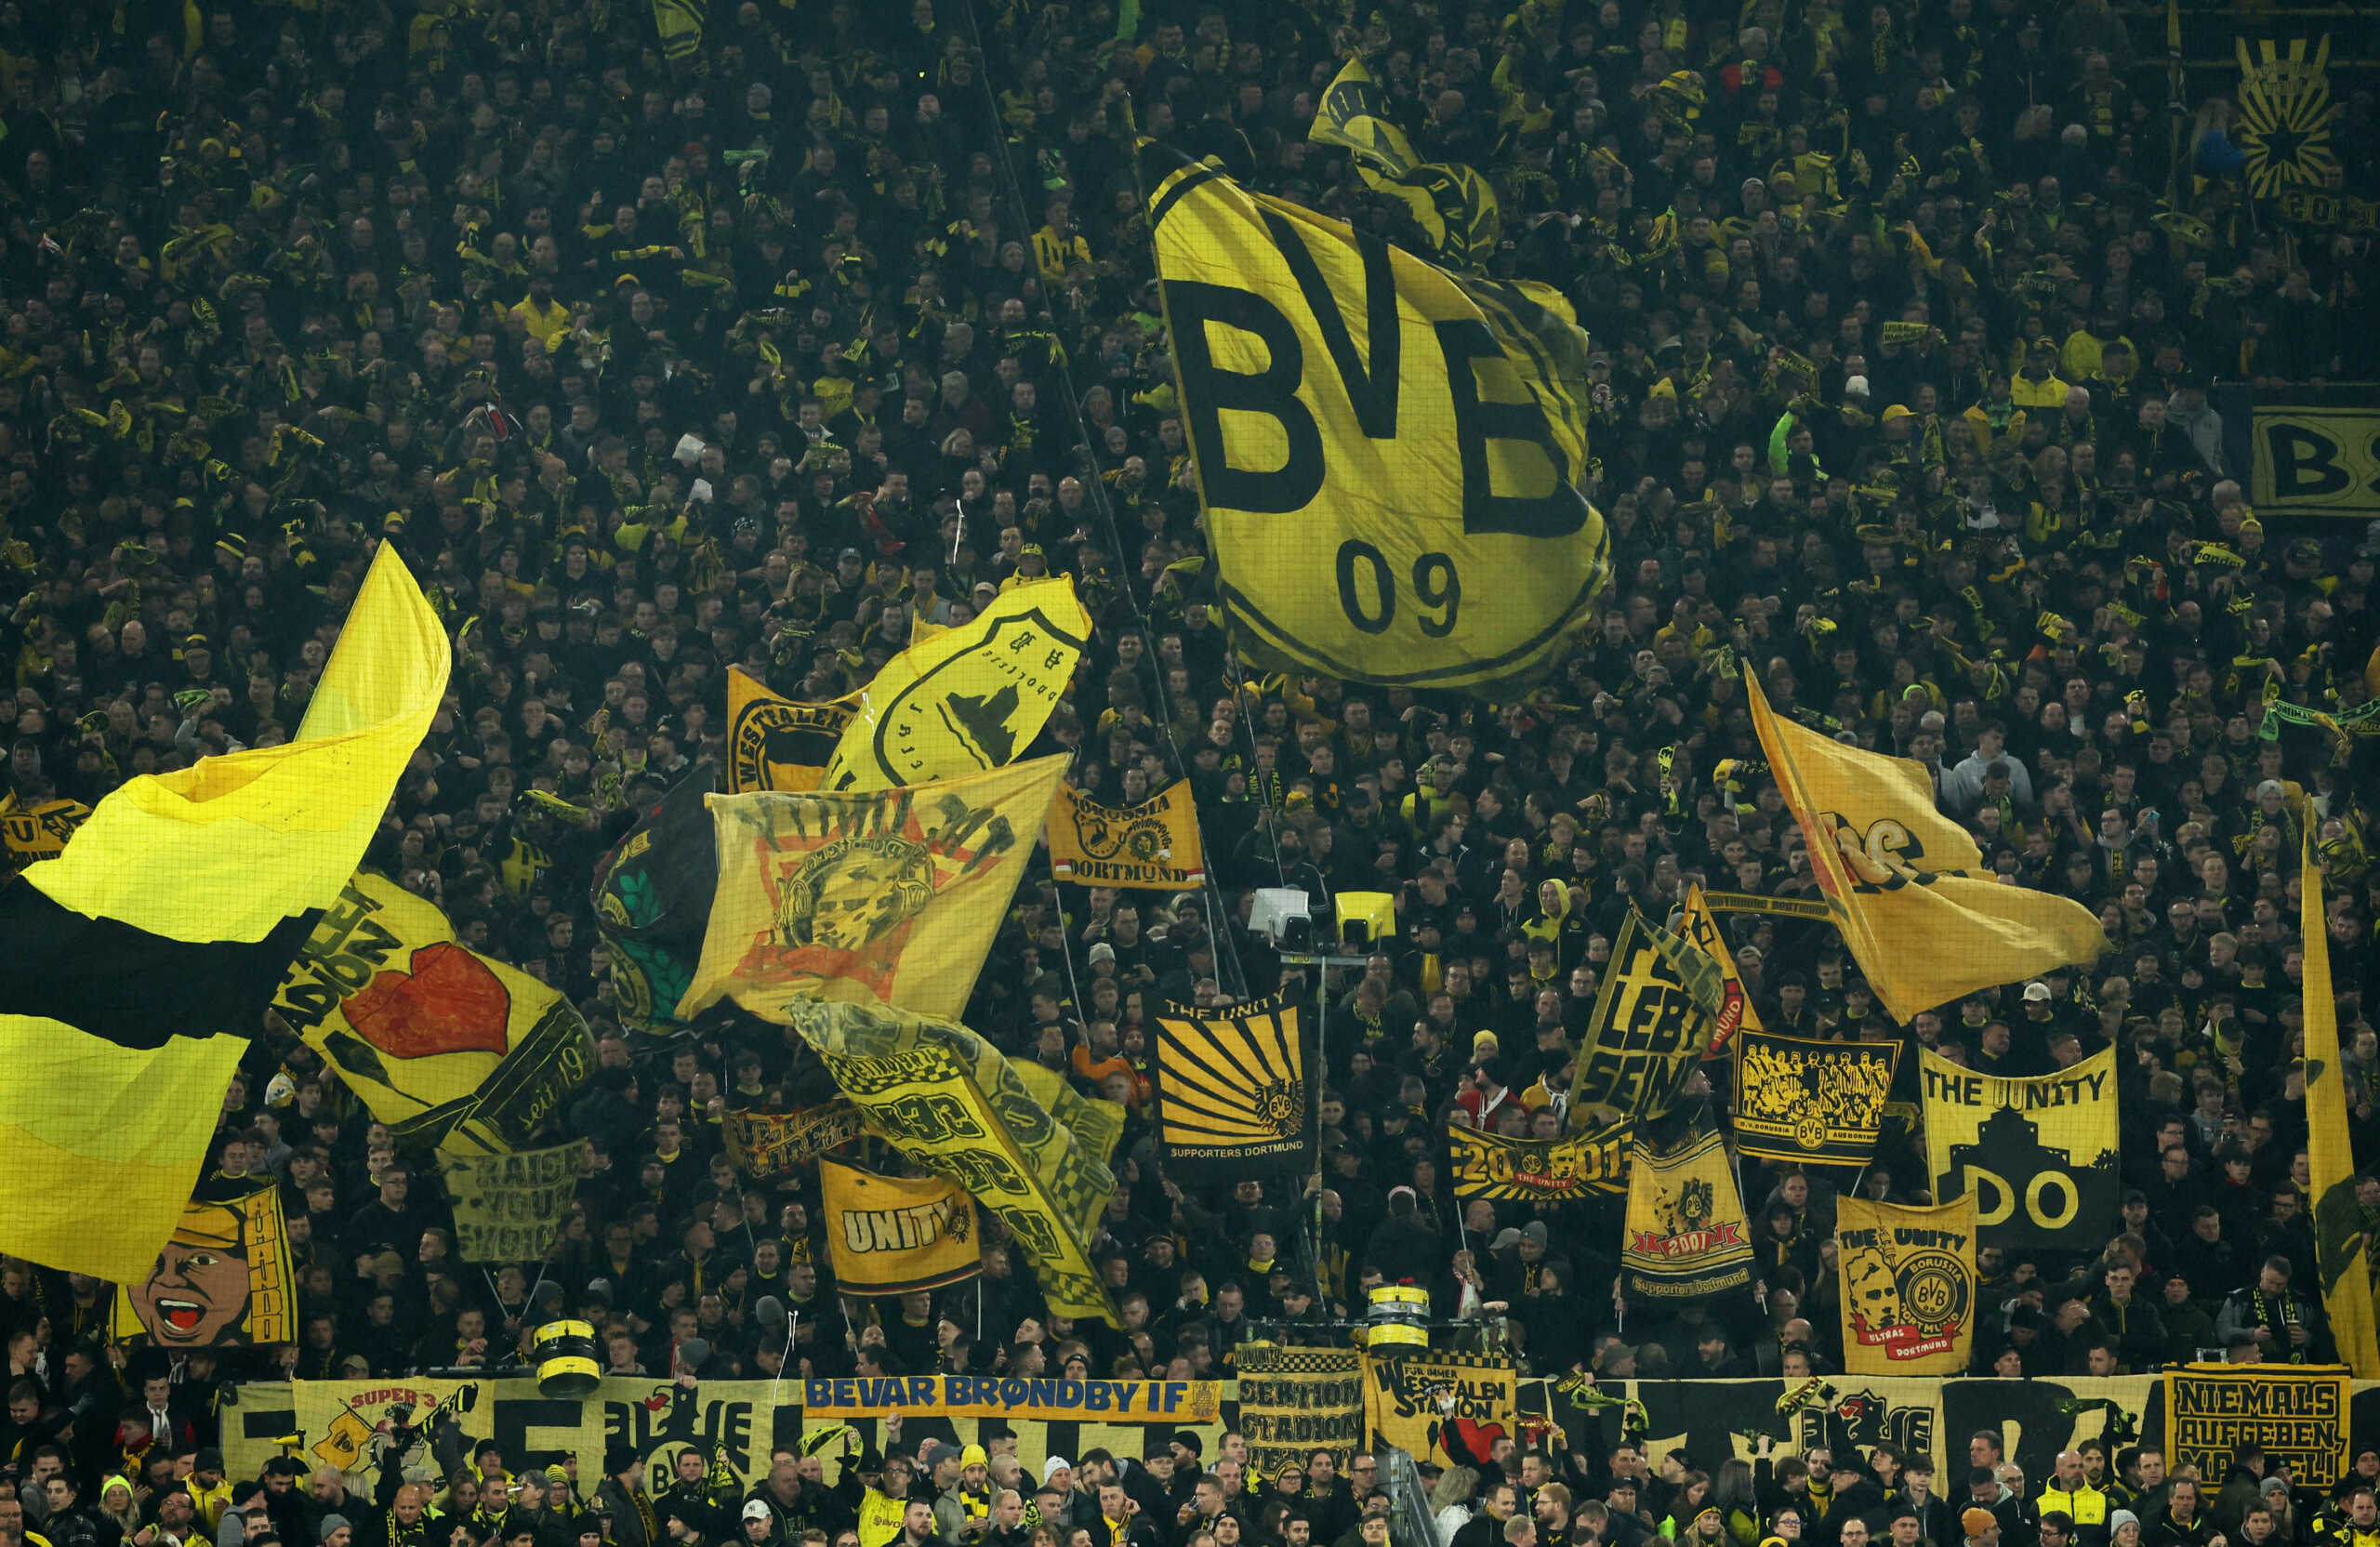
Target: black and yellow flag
(1685,1223)
(225,1280)
(776,742)
(1698,926)
(451,1049)
(1390,456)
(2342,1226)
(1651,1024)
(2037,1154)
(1909,1290)
(889,1235)
(946,1099)
(2286,117)
(889,896)
(141,959)
(968,700)
(680,24)
(1818,1103)
(1454,205)
(765,1144)
(1927,920)
(1231,1092)
(1154,845)
(37,831)
(1539,1170)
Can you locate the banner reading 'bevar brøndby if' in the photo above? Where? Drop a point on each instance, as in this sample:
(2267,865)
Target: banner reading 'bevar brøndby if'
(1390,456)
(2037,1155)
(1012,1396)
(1154,845)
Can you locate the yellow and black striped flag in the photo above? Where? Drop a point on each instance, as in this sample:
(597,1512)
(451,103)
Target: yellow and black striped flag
(680,24)
(140,959)
(1231,1092)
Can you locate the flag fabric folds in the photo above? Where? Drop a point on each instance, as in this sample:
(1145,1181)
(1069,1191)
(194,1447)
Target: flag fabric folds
(1390,456)
(37,832)
(1904,883)
(776,743)
(1816,1102)
(1909,1290)
(225,1280)
(2342,1226)
(2036,1154)
(1454,205)
(889,1235)
(680,24)
(1698,927)
(887,896)
(1154,845)
(1541,1171)
(1685,1235)
(452,1049)
(652,901)
(968,699)
(946,1099)
(1651,1023)
(204,880)
(773,1144)
(1231,1092)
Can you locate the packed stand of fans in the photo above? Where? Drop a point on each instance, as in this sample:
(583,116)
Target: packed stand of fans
(1900,392)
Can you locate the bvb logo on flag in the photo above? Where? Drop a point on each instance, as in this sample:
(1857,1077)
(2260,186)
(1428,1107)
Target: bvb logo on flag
(2285,116)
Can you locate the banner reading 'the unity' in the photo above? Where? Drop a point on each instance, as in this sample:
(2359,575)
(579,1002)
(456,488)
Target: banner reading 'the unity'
(2037,1155)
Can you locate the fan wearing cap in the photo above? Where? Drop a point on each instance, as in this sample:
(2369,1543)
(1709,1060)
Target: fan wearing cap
(962,1512)
(758,1523)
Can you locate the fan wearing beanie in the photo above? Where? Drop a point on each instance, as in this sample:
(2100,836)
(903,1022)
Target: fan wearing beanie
(1981,1528)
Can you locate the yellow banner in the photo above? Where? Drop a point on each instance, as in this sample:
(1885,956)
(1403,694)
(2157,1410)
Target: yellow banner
(225,1280)
(2315,459)
(452,1049)
(780,744)
(2297,1414)
(1401,1403)
(1699,928)
(886,895)
(970,698)
(509,1207)
(1154,845)
(2038,1156)
(889,1235)
(1390,457)
(1539,1171)
(1649,1031)
(2342,1226)
(38,832)
(770,1143)
(1231,1092)
(1294,1401)
(1454,205)
(1908,1283)
(1818,1103)
(1906,885)
(1685,1223)
(946,1099)
(1041,1399)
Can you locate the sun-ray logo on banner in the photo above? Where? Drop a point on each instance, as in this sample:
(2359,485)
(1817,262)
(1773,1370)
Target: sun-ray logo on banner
(2286,115)
(1231,1090)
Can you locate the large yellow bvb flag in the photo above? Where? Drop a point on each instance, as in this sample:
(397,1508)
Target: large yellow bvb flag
(138,963)
(1904,883)
(2342,1226)
(1389,456)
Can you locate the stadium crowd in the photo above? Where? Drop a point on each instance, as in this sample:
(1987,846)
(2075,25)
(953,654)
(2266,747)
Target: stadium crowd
(762,349)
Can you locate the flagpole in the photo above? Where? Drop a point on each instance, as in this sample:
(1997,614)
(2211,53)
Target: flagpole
(1310,1223)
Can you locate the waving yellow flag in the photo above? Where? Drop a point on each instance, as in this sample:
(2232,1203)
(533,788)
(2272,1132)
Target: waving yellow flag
(2342,1226)
(967,699)
(139,961)
(1904,883)
(776,743)
(891,897)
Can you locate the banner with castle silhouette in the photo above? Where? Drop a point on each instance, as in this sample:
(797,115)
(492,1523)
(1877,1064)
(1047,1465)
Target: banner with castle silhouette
(2037,1154)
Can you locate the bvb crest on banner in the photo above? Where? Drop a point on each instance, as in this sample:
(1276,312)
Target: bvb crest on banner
(2285,116)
